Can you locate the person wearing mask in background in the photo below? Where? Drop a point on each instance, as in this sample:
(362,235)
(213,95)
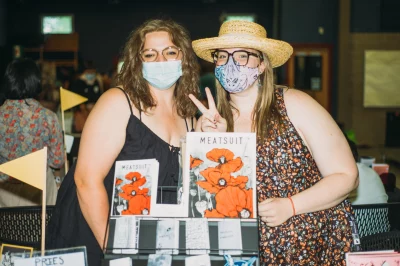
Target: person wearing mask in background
(144,118)
(26,126)
(88,85)
(389,182)
(305,169)
(370,189)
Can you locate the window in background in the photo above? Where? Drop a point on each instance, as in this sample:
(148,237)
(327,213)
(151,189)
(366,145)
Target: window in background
(57,24)
(119,67)
(309,69)
(381,78)
(246,17)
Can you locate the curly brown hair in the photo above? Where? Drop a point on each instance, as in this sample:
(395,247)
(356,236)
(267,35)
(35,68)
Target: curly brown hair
(131,77)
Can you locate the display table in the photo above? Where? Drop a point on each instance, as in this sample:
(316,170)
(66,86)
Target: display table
(147,242)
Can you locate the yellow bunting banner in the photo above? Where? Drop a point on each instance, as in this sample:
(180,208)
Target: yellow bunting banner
(30,169)
(70,99)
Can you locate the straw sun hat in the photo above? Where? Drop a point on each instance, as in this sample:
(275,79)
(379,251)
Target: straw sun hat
(244,34)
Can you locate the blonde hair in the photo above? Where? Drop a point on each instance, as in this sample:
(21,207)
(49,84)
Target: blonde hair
(131,77)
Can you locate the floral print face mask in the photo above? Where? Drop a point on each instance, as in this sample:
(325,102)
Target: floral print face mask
(234,78)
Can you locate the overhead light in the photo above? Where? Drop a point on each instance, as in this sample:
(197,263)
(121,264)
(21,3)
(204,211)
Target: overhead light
(238,16)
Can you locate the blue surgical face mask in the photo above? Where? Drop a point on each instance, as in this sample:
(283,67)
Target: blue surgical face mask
(90,77)
(162,75)
(234,78)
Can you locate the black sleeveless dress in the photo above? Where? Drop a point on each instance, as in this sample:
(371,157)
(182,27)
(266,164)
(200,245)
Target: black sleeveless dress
(68,227)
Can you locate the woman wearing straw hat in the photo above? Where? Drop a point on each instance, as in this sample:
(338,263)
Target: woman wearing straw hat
(305,169)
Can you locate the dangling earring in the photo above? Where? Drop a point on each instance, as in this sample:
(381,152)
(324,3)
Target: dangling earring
(259,83)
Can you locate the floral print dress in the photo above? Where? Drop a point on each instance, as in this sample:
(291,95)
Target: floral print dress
(25,127)
(286,167)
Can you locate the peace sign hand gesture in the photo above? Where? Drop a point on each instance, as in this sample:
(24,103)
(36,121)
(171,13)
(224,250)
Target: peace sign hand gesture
(211,120)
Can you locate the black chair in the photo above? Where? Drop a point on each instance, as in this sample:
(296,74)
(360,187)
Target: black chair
(22,225)
(381,241)
(378,226)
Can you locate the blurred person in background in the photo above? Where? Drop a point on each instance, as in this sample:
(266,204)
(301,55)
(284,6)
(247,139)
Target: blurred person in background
(26,126)
(89,84)
(389,181)
(370,189)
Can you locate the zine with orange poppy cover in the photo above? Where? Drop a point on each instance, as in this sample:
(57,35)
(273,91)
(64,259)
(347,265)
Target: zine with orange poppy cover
(221,168)
(135,183)
(370,258)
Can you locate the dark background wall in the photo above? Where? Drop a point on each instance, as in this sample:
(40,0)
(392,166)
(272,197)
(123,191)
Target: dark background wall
(375,16)
(2,22)
(3,35)
(103,26)
(300,21)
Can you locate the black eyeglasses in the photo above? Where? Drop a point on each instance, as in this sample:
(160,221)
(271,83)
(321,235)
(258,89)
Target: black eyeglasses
(240,57)
(150,55)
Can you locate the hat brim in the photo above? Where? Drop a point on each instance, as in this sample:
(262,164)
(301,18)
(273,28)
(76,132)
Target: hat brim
(278,52)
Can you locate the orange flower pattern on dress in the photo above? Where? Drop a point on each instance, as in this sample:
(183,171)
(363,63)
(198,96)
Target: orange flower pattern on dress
(286,167)
(226,195)
(136,196)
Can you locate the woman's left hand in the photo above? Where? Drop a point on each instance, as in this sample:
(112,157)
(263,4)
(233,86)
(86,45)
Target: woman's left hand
(275,211)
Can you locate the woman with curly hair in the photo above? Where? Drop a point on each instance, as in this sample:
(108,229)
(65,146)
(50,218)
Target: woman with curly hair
(142,118)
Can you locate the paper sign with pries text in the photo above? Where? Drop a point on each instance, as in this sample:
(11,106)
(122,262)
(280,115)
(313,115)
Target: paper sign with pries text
(65,257)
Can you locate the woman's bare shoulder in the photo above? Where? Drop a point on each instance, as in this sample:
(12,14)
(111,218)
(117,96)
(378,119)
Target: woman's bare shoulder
(301,106)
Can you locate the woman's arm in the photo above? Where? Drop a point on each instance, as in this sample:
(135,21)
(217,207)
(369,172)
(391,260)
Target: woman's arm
(331,153)
(102,140)
(330,150)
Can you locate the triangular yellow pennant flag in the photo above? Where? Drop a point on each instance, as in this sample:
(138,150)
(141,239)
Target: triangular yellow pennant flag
(70,99)
(30,169)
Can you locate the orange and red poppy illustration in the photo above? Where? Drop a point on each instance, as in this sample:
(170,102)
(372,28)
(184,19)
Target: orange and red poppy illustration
(235,202)
(225,159)
(133,198)
(194,162)
(138,205)
(216,180)
(219,190)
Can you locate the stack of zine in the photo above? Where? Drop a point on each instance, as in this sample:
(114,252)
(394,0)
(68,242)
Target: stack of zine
(134,182)
(381,258)
(167,241)
(124,235)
